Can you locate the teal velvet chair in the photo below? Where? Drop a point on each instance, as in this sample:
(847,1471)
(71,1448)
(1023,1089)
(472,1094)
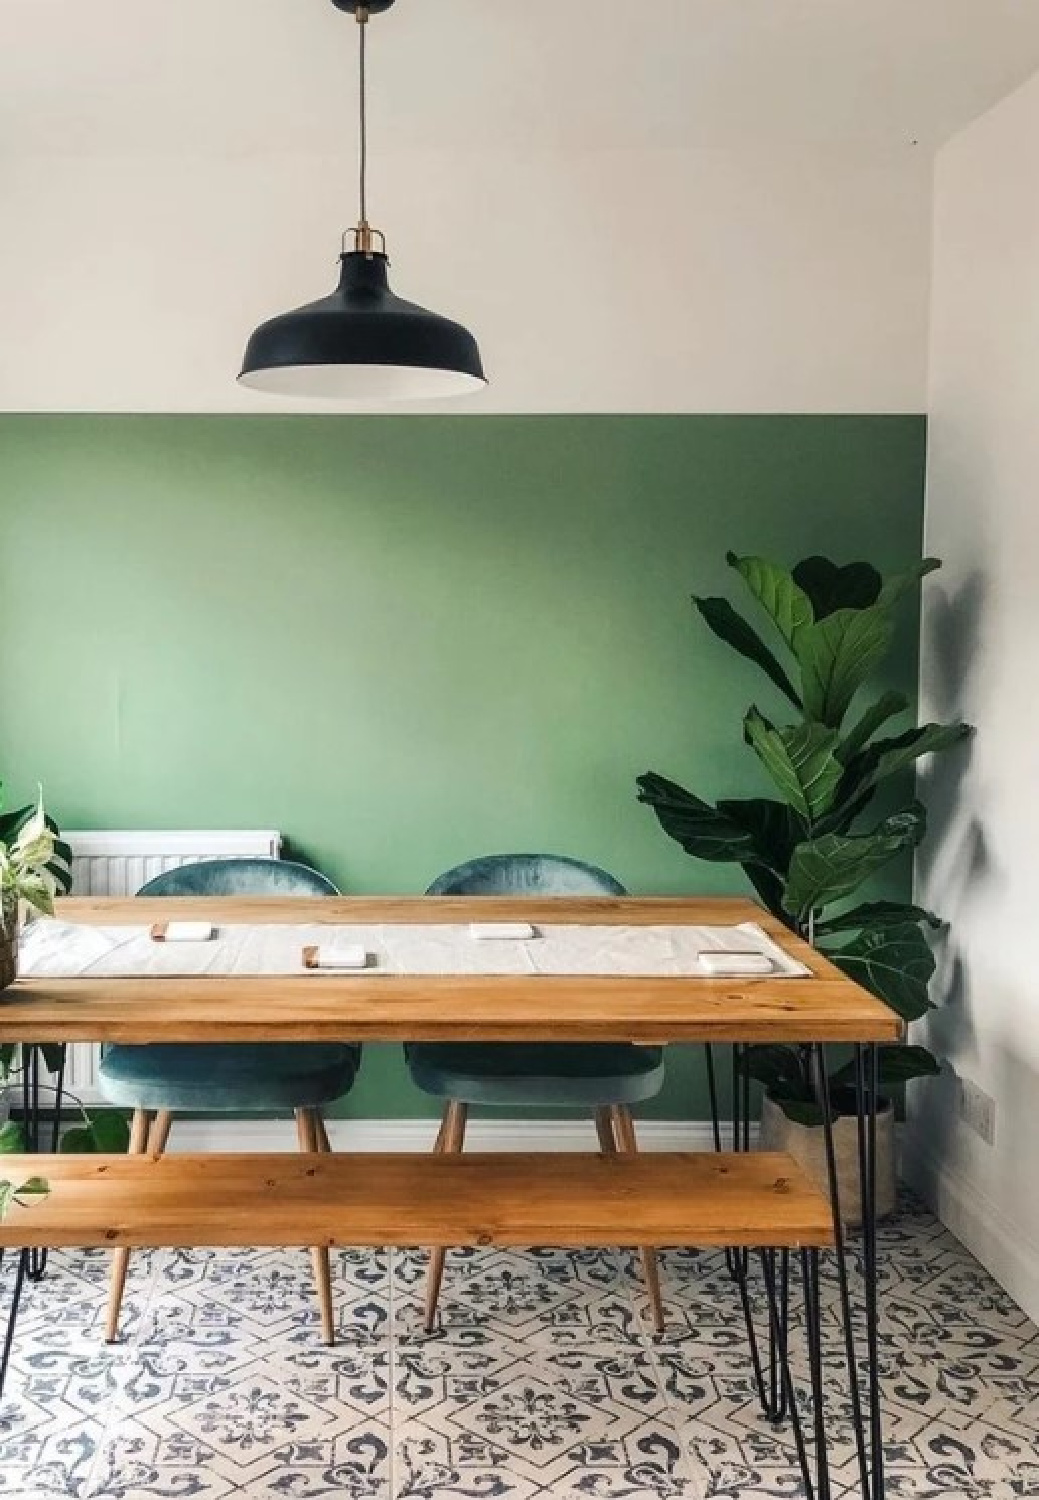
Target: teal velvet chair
(605,1079)
(157,1081)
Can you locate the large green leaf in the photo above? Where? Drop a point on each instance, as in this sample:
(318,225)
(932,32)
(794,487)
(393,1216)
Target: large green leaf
(12,1138)
(103,1131)
(895,1065)
(901,583)
(877,914)
(886,758)
(834,866)
(110,1131)
(909,824)
(895,963)
(886,707)
(797,1105)
(801,761)
(787,606)
(829,587)
(837,655)
(778,1067)
(733,629)
(77,1141)
(774,828)
(768,887)
(701,829)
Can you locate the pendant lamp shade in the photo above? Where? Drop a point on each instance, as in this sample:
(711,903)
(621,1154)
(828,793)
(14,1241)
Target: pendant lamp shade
(362,343)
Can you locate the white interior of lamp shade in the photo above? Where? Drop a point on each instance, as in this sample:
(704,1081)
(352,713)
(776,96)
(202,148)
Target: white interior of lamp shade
(361,382)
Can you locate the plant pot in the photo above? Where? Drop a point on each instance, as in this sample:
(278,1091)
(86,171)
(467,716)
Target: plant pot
(807,1145)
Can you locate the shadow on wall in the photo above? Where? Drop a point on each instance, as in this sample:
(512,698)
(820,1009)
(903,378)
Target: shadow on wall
(954,867)
(952,637)
(954,859)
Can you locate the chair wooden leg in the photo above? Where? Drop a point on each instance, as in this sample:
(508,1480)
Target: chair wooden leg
(624,1129)
(139,1130)
(310,1129)
(159,1134)
(450,1141)
(438,1144)
(604,1130)
(324,1145)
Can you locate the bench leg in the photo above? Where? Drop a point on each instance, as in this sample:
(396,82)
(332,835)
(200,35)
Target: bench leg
(313,1137)
(450,1141)
(139,1132)
(624,1132)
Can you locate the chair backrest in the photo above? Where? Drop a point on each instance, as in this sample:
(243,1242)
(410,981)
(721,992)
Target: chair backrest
(240,877)
(525,875)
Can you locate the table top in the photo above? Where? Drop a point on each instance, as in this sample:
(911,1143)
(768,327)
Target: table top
(827,1007)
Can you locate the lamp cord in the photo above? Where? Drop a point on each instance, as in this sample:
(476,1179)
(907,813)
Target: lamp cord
(362,17)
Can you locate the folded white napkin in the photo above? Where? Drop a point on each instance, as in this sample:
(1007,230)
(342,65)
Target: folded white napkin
(501,931)
(346,956)
(189,932)
(735,964)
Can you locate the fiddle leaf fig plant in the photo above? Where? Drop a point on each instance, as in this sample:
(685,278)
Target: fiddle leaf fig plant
(809,848)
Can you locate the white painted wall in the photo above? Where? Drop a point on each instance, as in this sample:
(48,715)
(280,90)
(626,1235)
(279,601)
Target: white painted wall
(980,656)
(740,280)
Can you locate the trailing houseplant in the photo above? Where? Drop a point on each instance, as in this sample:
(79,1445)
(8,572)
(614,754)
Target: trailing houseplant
(35,865)
(11,1141)
(97,1131)
(809,850)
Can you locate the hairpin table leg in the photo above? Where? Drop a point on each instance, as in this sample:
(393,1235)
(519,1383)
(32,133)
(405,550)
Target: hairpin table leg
(716,1130)
(813,1338)
(821,1086)
(778,1328)
(738,1257)
(12,1314)
(777,1299)
(771,1394)
(867,1090)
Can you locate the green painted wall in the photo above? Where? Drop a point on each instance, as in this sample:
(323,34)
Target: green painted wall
(404,641)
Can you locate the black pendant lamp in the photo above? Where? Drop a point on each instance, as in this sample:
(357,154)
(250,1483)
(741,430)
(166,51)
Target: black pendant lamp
(362,343)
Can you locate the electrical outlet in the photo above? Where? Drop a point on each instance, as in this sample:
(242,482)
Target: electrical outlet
(978,1110)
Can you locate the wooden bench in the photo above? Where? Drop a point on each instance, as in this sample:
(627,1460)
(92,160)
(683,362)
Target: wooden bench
(698,1199)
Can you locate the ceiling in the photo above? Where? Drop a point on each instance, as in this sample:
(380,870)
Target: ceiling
(230,76)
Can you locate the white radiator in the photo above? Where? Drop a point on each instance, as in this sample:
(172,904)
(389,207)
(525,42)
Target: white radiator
(118,863)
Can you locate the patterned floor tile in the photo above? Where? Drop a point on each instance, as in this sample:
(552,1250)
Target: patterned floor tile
(543,1378)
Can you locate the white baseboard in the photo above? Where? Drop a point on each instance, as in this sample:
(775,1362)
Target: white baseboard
(578,1134)
(989,1234)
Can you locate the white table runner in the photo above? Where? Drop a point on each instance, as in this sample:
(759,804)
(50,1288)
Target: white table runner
(53,949)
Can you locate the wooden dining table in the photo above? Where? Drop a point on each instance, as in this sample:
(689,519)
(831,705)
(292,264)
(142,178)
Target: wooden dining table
(746,1202)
